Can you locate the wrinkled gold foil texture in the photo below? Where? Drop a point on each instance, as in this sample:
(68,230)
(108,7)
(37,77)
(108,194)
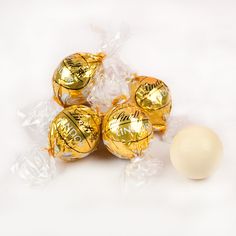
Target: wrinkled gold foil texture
(74,133)
(152,96)
(73,78)
(127,131)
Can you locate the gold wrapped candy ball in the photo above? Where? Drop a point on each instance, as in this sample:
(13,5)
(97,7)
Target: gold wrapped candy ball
(74,133)
(126,131)
(153,96)
(73,76)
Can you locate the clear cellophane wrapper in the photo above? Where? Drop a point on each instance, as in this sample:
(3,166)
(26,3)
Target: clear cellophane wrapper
(112,84)
(35,166)
(113,77)
(141,170)
(35,119)
(174,124)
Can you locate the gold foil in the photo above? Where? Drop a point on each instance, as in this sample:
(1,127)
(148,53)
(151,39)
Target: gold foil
(74,133)
(74,75)
(126,131)
(153,96)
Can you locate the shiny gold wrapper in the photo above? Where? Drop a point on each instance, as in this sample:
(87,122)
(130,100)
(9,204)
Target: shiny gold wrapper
(73,76)
(153,96)
(74,133)
(126,131)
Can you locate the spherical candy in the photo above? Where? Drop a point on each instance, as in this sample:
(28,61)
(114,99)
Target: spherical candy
(153,96)
(126,131)
(74,133)
(195,150)
(73,77)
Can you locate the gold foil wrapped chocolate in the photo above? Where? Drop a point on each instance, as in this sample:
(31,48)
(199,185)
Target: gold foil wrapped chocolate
(74,133)
(153,96)
(73,77)
(126,131)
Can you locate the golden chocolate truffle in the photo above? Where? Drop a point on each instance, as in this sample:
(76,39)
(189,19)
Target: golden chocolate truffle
(153,96)
(126,131)
(74,75)
(74,133)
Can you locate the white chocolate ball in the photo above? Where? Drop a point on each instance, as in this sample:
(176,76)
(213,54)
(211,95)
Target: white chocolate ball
(195,151)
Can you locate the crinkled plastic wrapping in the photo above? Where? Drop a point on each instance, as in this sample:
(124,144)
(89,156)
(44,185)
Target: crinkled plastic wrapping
(35,167)
(112,82)
(141,169)
(112,79)
(36,118)
(174,125)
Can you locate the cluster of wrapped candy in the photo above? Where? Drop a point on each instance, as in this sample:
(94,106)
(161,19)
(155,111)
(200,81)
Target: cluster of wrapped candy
(99,96)
(126,118)
(101,100)
(103,97)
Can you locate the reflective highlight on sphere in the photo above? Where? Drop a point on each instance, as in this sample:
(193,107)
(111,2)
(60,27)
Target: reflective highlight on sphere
(127,131)
(74,133)
(153,96)
(74,76)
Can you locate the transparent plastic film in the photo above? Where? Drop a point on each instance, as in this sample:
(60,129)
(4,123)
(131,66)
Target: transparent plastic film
(113,77)
(141,169)
(36,118)
(35,167)
(111,41)
(174,124)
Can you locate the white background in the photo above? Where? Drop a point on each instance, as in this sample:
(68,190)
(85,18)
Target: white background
(191,45)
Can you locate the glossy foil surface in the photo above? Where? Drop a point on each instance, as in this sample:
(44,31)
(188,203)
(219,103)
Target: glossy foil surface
(127,131)
(153,96)
(74,133)
(74,76)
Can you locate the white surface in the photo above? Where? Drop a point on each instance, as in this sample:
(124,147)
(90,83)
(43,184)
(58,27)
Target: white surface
(195,152)
(191,45)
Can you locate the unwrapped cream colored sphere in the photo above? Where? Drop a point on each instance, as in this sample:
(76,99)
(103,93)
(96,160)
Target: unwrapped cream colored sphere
(195,151)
